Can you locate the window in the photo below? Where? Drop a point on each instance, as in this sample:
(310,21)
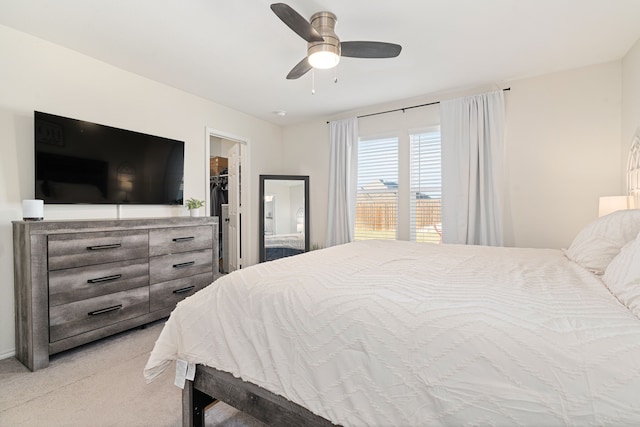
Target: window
(377,196)
(393,171)
(426,187)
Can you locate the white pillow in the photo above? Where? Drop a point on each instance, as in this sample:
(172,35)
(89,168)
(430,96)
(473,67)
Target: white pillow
(622,276)
(600,241)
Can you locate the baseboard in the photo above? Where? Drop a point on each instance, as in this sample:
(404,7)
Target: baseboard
(8,354)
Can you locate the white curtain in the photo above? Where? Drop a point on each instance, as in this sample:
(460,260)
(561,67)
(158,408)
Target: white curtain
(343,175)
(473,169)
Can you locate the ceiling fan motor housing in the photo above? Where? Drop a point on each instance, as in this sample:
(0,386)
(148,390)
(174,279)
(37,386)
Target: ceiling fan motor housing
(325,24)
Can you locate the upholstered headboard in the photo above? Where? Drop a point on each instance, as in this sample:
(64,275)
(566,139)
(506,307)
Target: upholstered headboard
(633,169)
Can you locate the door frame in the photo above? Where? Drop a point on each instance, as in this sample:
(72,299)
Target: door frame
(245,181)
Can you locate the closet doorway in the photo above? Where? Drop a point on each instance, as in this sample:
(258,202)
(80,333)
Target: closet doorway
(227,194)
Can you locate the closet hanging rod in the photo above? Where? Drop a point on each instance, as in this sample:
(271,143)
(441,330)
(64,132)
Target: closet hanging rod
(407,108)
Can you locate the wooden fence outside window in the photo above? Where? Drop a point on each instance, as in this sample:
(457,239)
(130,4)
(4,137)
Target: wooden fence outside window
(377,218)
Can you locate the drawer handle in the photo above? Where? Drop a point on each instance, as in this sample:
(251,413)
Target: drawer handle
(105,279)
(183,239)
(105,310)
(101,247)
(183,290)
(184,264)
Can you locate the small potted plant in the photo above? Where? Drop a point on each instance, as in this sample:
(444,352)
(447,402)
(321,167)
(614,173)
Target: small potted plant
(194,206)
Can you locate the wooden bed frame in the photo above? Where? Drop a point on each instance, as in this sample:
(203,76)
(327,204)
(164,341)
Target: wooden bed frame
(211,385)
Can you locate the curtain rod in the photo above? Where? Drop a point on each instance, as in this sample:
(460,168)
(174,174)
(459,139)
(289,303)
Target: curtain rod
(407,108)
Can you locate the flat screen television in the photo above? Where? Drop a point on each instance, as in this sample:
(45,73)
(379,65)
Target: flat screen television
(83,162)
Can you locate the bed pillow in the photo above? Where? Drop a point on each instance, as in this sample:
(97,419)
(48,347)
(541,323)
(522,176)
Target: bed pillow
(622,276)
(600,241)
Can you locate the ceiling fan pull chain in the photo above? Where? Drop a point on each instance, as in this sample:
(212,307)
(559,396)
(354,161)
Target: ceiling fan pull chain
(313,81)
(335,77)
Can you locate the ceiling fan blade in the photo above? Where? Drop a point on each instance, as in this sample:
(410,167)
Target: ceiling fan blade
(369,49)
(299,70)
(296,22)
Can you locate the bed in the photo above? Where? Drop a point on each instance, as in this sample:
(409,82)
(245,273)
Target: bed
(380,333)
(283,245)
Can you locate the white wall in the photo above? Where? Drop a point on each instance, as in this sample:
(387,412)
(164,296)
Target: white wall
(563,151)
(38,75)
(305,150)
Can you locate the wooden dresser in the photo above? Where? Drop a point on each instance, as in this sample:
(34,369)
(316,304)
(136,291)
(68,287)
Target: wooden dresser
(79,281)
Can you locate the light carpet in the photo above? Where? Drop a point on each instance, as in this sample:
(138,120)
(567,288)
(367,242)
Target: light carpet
(101,384)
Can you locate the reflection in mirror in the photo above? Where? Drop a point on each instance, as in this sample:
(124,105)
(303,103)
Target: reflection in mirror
(284,216)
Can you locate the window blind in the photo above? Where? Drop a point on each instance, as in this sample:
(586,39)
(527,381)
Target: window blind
(377,195)
(426,187)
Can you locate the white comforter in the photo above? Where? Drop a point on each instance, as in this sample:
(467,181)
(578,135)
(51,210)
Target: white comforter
(401,334)
(293,241)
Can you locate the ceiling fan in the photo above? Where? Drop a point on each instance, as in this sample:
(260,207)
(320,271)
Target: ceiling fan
(324,48)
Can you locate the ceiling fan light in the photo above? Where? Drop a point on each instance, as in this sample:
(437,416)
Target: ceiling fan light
(326,53)
(324,60)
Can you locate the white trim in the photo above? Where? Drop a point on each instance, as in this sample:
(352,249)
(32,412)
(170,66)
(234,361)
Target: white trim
(246,178)
(8,354)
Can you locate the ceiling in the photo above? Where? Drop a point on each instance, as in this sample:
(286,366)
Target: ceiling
(237,52)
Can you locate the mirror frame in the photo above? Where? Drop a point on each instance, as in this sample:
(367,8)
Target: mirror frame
(262,256)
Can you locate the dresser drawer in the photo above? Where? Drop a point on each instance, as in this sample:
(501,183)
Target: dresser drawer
(78,317)
(167,294)
(75,284)
(81,249)
(169,267)
(180,239)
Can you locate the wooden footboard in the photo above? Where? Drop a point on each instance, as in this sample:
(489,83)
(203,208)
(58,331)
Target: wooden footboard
(211,384)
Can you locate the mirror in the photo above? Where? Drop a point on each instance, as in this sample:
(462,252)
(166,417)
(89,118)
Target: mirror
(284,216)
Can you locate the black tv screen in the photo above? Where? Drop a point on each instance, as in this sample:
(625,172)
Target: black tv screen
(83,162)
